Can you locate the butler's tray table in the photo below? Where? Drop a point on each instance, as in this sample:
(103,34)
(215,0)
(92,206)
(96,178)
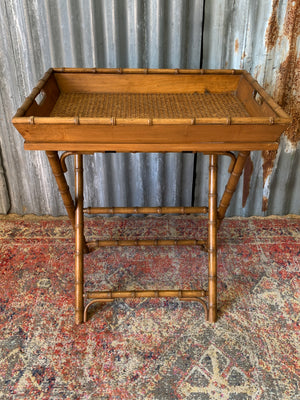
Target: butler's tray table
(83,111)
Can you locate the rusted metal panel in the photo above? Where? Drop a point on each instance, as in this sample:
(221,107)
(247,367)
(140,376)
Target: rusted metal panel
(282,37)
(4,198)
(260,36)
(263,37)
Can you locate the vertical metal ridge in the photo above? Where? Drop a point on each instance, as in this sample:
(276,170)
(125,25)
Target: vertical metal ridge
(54,32)
(154,14)
(75,34)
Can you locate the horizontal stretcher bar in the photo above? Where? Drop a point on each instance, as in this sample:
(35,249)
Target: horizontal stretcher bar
(109,295)
(145,210)
(92,245)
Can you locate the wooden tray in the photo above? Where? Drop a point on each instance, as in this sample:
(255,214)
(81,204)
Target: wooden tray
(149,110)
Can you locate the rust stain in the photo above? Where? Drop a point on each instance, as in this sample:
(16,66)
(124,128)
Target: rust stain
(287,85)
(287,92)
(248,170)
(236,45)
(257,72)
(265,203)
(290,24)
(269,158)
(272,31)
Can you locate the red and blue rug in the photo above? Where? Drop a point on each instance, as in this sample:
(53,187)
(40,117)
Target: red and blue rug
(156,349)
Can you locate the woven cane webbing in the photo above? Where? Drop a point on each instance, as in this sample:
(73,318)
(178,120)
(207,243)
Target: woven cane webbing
(121,105)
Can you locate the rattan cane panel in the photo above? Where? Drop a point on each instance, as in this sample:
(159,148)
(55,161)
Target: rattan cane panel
(121,105)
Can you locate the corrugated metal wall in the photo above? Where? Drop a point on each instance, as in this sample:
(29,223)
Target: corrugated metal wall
(260,36)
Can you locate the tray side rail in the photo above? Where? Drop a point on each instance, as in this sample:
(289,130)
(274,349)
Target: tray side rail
(33,106)
(258,102)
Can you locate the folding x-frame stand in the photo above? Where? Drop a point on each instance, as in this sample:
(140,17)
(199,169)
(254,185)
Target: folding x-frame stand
(215,213)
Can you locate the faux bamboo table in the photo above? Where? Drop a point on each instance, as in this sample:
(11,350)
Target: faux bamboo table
(83,111)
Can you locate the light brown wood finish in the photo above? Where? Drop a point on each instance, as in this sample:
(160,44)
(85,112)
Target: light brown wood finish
(261,130)
(250,125)
(232,184)
(48,76)
(150,138)
(146,83)
(109,296)
(50,93)
(212,238)
(119,294)
(59,174)
(145,210)
(143,71)
(62,184)
(152,148)
(79,239)
(95,244)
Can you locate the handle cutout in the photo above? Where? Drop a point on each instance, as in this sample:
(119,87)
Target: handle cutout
(40,98)
(257,97)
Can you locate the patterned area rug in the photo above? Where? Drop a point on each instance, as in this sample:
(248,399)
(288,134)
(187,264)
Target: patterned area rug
(156,349)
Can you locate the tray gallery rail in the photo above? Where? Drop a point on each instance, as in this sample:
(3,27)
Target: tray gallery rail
(73,112)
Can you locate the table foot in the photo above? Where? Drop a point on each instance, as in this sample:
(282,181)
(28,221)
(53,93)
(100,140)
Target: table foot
(109,296)
(79,317)
(201,301)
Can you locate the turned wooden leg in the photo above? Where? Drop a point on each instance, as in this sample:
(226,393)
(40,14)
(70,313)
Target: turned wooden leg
(79,239)
(232,183)
(212,238)
(62,184)
(63,188)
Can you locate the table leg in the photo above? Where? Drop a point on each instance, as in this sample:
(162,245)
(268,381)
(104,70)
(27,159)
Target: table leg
(212,238)
(232,183)
(79,239)
(62,184)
